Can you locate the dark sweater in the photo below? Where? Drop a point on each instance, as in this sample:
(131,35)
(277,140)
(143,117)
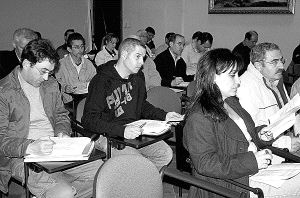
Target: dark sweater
(113,102)
(219,150)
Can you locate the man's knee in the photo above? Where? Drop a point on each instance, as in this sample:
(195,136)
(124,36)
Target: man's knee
(61,190)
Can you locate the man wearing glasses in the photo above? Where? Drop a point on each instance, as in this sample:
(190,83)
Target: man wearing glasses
(262,92)
(31,111)
(75,71)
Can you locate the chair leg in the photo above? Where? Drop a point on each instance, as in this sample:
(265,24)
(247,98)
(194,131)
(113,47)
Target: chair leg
(180,191)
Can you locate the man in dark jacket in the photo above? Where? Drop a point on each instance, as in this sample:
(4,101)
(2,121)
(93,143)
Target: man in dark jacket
(170,65)
(10,59)
(117,96)
(32,111)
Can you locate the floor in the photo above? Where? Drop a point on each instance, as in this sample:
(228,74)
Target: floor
(171,188)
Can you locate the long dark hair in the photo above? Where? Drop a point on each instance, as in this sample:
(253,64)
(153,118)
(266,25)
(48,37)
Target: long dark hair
(207,95)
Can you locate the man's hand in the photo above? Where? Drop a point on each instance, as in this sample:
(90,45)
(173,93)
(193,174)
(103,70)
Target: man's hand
(263,158)
(265,135)
(176,81)
(295,144)
(174,117)
(62,135)
(42,146)
(132,132)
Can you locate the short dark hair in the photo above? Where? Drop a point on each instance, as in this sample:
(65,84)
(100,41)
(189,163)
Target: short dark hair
(150,30)
(69,30)
(169,34)
(208,95)
(74,36)
(174,36)
(203,37)
(249,34)
(129,45)
(38,50)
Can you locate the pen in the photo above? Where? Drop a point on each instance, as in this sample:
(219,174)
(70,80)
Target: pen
(142,125)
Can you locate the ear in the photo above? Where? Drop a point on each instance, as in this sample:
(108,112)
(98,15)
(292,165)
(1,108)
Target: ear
(124,54)
(69,49)
(258,65)
(14,44)
(171,44)
(26,63)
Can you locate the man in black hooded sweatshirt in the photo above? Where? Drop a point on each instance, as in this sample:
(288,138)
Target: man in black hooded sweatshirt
(117,96)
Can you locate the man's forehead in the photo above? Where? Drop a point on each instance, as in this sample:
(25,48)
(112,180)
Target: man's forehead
(273,54)
(139,50)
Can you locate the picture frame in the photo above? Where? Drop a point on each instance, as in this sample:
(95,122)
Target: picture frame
(251,6)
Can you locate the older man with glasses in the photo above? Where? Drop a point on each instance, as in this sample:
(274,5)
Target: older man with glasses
(262,92)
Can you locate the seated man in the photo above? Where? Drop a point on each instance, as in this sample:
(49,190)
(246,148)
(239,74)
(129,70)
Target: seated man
(201,42)
(262,92)
(170,65)
(31,111)
(243,49)
(117,96)
(165,45)
(75,71)
(10,59)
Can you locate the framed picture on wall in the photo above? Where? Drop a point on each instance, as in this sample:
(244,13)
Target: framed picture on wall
(251,6)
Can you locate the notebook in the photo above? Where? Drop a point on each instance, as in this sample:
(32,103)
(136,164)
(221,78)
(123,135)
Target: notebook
(65,149)
(152,127)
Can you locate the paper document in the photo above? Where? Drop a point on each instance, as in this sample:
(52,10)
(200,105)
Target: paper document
(183,84)
(284,118)
(66,149)
(275,175)
(152,127)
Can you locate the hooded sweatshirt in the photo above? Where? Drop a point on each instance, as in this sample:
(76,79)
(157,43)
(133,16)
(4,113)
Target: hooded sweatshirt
(113,102)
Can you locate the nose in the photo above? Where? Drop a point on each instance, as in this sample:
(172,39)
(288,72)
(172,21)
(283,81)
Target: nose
(237,80)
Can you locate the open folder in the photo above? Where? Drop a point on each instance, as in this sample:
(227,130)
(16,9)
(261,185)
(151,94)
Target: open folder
(65,149)
(284,118)
(152,127)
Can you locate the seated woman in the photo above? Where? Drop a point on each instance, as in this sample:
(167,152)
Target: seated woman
(220,135)
(108,51)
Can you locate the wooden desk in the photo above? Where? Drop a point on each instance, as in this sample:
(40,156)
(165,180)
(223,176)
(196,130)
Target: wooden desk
(138,142)
(51,167)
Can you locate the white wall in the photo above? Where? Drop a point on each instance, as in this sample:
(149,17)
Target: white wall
(50,17)
(188,16)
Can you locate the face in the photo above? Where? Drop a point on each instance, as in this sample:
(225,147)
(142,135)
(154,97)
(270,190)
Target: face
(77,49)
(177,46)
(150,36)
(272,66)
(144,39)
(203,47)
(36,74)
(252,42)
(20,45)
(111,45)
(134,60)
(228,83)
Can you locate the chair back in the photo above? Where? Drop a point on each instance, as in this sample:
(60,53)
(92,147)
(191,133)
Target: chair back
(131,176)
(191,88)
(79,110)
(164,98)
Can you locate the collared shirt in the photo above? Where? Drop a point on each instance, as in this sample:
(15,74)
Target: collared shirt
(174,56)
(78,67)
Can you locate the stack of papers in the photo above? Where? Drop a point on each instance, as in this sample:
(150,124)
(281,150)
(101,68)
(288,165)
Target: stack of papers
(183,84)
(275,175)
(65,149)
(152,127)
(284,118)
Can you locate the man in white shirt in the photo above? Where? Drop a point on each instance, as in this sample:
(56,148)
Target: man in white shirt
(201,42)
(262,92)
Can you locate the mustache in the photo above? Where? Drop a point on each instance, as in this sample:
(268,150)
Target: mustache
(280,71)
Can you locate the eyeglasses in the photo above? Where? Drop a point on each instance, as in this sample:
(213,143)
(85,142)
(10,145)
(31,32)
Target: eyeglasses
(276,61)
(44,71)
(78,47)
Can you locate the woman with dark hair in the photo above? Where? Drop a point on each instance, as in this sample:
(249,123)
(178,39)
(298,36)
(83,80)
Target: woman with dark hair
(220,135)
(108,49)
